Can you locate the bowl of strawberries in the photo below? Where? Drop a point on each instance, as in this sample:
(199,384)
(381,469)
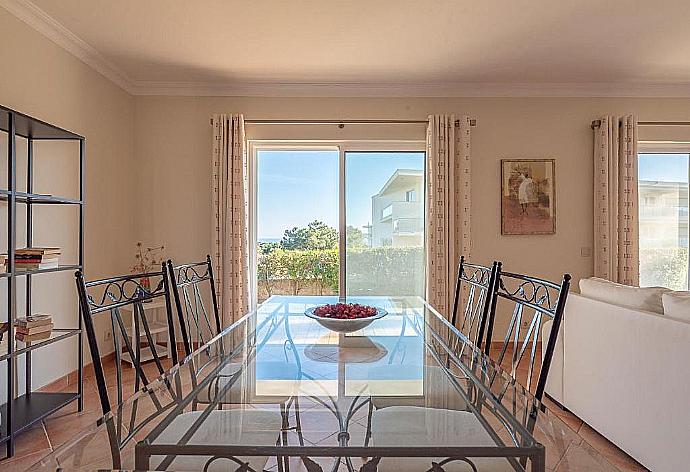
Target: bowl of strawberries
(345,317)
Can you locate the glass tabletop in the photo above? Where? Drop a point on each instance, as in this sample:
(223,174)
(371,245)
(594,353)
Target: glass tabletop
(279,390)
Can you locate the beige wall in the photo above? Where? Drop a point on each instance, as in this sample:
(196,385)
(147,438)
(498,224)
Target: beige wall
(43,80)
(174,144)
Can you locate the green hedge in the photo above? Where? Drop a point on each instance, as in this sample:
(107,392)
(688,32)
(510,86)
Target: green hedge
(385,271)
(371,271)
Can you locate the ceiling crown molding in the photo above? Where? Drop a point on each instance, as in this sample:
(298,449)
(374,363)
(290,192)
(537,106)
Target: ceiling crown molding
(60,35)
(545,90)
(39,20)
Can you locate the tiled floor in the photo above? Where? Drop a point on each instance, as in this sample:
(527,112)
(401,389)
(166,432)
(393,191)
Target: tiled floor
(42,439)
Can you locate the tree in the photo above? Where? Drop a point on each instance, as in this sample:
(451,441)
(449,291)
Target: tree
(315,236)
(354,237)
(267,248)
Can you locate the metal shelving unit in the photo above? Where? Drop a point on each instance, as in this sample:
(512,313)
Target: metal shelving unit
(21,412)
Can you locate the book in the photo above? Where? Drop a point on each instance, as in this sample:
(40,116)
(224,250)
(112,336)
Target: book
(34,329)
(27,338)
(34,320)
(37,251)
(35,257)
(52,264)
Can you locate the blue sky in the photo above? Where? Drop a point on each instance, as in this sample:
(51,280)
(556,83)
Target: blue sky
(297,187)
(663,167)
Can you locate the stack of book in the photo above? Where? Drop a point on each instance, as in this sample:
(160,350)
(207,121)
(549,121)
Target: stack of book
(32,258)
(34,328)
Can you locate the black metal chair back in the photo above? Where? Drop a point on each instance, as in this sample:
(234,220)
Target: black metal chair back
(110,295)
(188,292)
(478,281)
(535,300)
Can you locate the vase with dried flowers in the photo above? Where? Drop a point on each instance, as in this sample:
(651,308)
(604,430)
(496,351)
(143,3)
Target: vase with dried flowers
(146,259)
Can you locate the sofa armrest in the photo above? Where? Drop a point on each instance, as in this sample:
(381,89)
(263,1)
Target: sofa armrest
(554,381)
(624,373)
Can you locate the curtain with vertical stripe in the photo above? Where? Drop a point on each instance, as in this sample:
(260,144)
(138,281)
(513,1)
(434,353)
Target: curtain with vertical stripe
(230,250)
(448,205)
(616,206)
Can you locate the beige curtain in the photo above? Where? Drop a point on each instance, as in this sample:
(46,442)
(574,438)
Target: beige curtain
(448,205)
(230,249)
(616,226)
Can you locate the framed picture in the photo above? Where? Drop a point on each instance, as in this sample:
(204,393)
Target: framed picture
(528,190)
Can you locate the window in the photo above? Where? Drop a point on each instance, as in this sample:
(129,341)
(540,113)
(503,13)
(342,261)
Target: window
(663,197)
(337,219)
(392,261)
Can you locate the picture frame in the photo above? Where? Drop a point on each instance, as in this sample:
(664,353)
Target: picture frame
(528,196)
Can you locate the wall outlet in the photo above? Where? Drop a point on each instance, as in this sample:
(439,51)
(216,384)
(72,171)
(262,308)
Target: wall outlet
(586,251)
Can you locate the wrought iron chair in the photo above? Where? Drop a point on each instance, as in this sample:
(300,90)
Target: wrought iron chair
(535,300)
(478,281)
(546,299)
(110,295)
(197,326)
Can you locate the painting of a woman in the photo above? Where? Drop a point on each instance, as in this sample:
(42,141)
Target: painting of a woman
(526,192)
(527,196)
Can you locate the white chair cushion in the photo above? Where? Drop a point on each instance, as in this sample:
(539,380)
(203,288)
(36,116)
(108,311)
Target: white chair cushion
(639,298)
(418,426)
(677,305)
(234,394)
(435,390)
(230,427)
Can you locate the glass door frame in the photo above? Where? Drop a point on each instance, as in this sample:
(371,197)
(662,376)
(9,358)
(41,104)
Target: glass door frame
(665,147)
(342,146)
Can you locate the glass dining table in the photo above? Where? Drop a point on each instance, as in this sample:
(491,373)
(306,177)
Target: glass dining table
(277,390)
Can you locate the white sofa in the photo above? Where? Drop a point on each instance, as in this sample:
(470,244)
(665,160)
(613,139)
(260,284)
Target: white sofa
(626,373)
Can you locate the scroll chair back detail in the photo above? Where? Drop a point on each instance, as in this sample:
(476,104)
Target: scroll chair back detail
(110,295)
(479,281)
(535,300)
(196,321)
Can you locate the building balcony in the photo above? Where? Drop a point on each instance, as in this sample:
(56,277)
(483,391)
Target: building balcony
(397,210)
(408,226)
(674,213)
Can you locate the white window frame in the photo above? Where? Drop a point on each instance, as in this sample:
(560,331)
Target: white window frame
(665,147)
(342,146)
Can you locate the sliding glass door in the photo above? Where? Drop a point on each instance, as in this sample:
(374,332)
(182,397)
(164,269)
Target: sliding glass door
(384,216)
(338,219)
(296,222)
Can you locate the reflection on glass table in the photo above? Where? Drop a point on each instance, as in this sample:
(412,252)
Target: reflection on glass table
(278,391)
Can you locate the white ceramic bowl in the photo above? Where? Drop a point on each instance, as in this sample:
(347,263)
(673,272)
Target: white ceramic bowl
(345,325)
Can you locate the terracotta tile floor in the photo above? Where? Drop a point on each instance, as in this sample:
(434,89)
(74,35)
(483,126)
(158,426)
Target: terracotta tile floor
(55,430)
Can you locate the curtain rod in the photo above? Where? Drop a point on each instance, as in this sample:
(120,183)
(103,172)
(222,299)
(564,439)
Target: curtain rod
(597,123)
(473,122)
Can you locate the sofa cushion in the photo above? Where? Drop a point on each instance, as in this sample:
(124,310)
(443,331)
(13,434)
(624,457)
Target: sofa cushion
(677,305)
(639,298)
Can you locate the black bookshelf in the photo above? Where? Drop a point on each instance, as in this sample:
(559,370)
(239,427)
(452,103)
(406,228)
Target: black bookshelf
(21,412)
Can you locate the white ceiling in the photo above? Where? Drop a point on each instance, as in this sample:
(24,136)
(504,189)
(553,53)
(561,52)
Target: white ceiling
(431,46)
